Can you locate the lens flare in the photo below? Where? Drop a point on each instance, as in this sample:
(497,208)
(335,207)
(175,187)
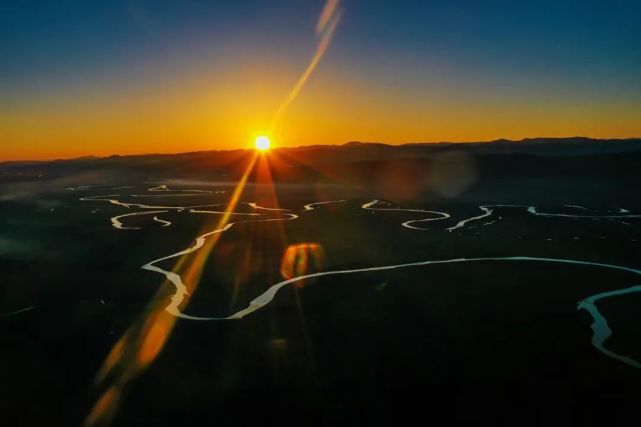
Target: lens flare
(141,344)
(325,28)
(300,259)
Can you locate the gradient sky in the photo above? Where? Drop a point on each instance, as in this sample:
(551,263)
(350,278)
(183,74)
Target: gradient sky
(104,77)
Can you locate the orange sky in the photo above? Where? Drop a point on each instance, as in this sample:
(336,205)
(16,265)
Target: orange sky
(118,79)
(186,102)
(204,112)
(198,112)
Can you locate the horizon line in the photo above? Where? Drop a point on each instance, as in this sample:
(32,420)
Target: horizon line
(347,143)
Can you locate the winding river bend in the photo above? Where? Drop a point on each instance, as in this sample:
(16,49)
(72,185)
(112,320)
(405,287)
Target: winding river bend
(601,330)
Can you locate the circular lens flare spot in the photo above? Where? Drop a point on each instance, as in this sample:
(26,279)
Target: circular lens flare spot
(262,143)
(301,259)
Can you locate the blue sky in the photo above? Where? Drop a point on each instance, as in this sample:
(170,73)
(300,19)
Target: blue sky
(580,58)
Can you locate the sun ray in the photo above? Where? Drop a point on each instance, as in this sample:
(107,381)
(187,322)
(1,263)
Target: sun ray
(141,344)
(328,21)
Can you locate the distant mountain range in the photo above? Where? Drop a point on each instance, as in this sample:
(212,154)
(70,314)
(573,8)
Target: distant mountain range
(357,150)
(572,146)
(543,169)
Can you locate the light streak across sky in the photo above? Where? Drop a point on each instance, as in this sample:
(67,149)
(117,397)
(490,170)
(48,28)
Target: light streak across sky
(325,28)
(195,76)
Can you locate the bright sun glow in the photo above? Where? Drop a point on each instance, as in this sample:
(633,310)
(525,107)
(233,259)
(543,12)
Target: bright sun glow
(262,143)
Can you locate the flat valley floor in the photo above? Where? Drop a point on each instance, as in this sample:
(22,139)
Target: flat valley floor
(460,313)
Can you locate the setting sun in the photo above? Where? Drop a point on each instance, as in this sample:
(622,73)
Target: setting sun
(262,143)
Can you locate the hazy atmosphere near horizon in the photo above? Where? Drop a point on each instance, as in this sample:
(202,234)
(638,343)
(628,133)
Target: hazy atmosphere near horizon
(320,213)
(121,77)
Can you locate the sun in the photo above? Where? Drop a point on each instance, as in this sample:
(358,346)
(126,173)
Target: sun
(262,143)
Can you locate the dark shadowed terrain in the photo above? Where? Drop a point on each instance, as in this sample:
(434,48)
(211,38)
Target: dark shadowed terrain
(488,331)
